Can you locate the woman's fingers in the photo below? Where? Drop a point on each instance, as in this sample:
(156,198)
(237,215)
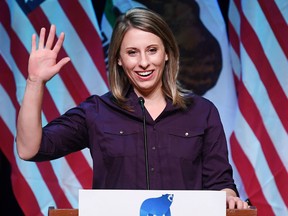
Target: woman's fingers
(59,42)
(42,39)
(43,63)
(49,42)
(51,37)
(33,44)
(61,63)
(236,202)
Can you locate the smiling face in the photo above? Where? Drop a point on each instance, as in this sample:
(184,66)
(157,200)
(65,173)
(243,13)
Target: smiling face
(143,57)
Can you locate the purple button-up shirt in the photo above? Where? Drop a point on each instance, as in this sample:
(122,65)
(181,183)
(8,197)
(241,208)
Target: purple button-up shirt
(186,148)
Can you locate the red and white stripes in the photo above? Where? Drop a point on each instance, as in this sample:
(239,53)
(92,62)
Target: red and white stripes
(56,182)
(259,142)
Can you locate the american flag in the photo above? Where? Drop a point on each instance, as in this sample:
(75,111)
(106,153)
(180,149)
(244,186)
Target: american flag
(39,185)
(259,142)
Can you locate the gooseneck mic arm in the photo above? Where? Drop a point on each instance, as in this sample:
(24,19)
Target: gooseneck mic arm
(141,101)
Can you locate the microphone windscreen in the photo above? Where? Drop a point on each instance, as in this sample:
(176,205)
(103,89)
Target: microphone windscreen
(141,100)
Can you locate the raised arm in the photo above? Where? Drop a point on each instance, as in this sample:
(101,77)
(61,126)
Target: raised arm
(42,67)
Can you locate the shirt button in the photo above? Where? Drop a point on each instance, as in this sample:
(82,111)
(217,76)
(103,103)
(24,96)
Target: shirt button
(121,132)
(186,134)
(153,148)
(152,169)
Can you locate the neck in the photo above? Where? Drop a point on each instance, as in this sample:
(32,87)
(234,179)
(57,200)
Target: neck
(154,95)
(154,103)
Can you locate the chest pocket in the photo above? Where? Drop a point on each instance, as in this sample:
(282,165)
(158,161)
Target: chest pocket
(119,141)
(185,144)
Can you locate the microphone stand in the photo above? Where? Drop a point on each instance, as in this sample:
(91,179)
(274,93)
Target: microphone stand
(141,101)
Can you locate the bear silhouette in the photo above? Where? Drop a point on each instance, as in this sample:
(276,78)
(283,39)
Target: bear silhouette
(159,206)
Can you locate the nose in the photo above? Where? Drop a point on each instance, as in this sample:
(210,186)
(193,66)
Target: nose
(144,61)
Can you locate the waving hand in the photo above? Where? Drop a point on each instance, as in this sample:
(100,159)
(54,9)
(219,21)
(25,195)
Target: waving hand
(43,63)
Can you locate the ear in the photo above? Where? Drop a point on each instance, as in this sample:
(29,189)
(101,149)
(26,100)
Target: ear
(119,62)
(166,57)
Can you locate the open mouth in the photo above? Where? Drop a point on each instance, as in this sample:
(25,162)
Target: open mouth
(145,73)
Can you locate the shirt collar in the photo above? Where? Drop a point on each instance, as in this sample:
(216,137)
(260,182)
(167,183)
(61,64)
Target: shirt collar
(133,102)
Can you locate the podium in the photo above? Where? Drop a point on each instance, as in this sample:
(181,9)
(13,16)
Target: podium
(252,211)
(115,202)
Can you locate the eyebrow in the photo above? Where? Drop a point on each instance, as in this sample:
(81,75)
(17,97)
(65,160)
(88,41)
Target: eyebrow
(151,45)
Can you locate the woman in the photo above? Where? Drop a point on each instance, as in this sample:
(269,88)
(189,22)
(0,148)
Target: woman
(184,144)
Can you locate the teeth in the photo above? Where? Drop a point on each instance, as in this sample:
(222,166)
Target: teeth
(146,73)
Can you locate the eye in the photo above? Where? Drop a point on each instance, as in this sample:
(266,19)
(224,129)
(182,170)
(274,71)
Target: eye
(131,52)
(152,50)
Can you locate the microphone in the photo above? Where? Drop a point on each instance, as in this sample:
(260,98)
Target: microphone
(142,101)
